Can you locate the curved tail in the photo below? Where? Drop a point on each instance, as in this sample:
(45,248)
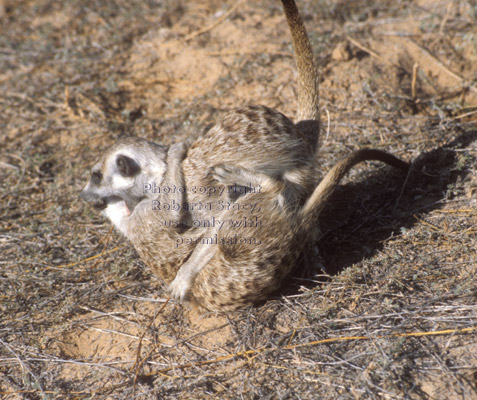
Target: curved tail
(308,90)
(315,204)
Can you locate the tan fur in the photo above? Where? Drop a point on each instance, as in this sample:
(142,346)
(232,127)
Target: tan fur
(308,116)
(255,139)
(243,273)
(226,267)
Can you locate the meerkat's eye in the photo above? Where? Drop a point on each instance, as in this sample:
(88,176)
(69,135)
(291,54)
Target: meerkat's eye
(96,177)
(127,166)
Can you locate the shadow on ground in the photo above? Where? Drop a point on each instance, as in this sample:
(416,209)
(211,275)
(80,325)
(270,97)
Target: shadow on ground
(361,216)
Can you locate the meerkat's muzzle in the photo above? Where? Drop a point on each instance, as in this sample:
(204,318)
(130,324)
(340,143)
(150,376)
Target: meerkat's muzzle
(99,203)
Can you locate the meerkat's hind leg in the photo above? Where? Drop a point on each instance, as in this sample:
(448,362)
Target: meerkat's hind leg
(200,257)
(230,174)
(242,181)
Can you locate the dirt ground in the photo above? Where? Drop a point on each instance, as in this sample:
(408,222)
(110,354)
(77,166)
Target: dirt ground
(389,313)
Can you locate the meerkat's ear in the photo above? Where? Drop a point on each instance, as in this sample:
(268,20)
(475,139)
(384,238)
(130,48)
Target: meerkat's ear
(127,166)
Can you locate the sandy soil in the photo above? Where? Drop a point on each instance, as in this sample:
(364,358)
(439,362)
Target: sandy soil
(393,315)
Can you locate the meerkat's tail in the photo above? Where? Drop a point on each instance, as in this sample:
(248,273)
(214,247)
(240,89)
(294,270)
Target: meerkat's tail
(315,204)
(308,90)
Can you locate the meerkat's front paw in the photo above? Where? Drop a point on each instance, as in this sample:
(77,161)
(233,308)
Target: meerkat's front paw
(178,151)
(180,286)
(224,174)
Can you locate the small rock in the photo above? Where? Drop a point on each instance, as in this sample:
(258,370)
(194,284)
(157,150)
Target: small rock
(341,52)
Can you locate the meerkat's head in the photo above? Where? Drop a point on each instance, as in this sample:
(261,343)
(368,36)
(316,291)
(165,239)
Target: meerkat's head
(118,179)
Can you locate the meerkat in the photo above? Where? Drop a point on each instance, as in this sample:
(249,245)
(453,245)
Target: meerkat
(239,265)
(254,146)
(255,139)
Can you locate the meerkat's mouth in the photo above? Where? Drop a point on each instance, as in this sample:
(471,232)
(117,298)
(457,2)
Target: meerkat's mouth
(100,204)
(132,202)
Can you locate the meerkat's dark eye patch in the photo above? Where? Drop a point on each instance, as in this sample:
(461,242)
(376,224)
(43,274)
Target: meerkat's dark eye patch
(127,166)
(96,177)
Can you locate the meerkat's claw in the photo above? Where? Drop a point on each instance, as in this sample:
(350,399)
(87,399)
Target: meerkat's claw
(179,287)
(225,174)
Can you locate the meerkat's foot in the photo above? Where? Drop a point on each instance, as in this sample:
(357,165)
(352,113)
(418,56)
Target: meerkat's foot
(180,286)
(231,175)
(225,174)
(182,283)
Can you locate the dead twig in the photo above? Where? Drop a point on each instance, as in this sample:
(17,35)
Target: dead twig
(23,366)
(248,353)
(415,68)
(87,259)
(218,21)
(366,49)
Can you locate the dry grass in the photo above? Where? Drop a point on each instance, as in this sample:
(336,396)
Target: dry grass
(394,316)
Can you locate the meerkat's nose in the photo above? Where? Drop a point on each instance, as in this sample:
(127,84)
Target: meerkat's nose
(86,195)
